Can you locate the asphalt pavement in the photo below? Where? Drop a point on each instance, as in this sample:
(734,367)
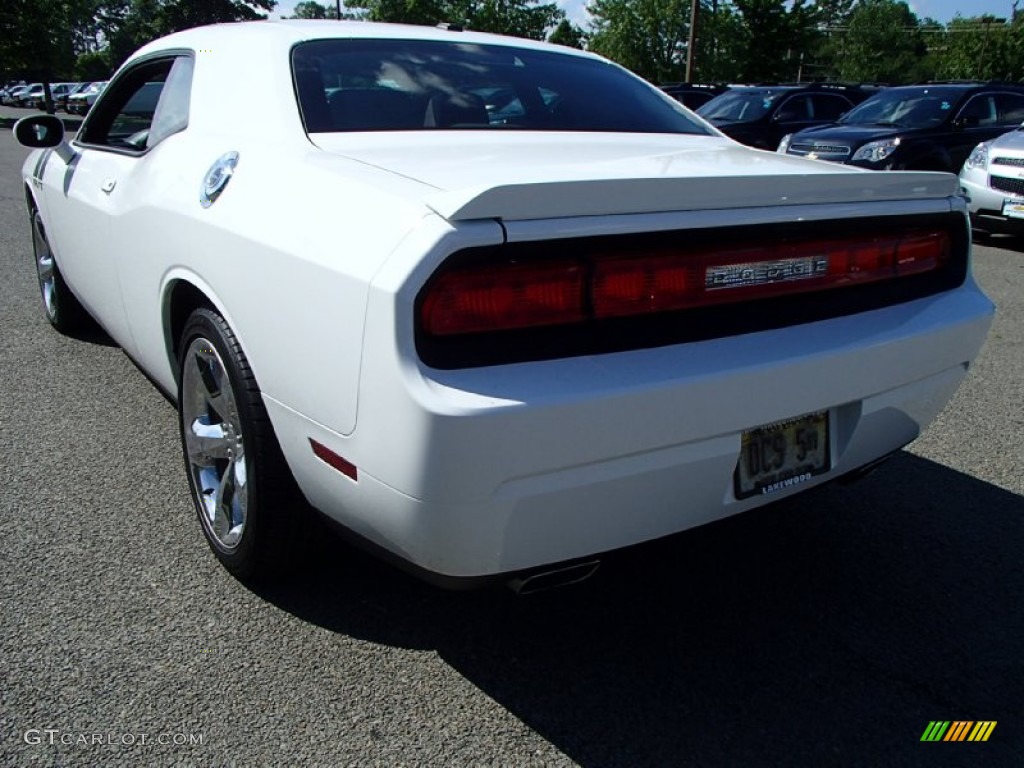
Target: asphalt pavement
(827,630)
(10,115)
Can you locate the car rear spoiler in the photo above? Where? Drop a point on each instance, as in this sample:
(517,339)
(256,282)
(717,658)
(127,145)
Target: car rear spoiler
(547,200)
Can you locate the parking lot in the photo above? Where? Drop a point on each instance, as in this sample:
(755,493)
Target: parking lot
(826,630)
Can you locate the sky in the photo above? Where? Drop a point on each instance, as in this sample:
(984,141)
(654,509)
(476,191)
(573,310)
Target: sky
(945,10)
(940,10)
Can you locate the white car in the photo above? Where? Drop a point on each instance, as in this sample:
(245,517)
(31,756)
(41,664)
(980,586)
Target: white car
(80,102)
(492,346)
(9,96)
(27,97)
(992,178)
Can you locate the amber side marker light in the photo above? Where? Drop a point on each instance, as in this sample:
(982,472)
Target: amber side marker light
(517,295)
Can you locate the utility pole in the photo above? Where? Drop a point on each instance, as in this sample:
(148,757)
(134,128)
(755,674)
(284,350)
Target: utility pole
(714,38)
(337,9)
(692,43)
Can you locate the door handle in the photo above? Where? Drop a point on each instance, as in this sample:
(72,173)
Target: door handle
(108,185)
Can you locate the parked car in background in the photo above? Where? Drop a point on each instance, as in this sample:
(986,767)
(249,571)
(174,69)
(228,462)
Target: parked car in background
(492,338)
(760,116)
(61,102)
(81,102)
(930,127)
(57,91)
(693,95)
(992,178)
(28,97)
(11,94)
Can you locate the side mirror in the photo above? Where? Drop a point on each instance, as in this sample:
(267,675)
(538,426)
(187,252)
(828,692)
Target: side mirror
(39,131)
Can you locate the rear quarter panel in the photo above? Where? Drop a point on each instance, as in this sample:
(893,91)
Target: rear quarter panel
(286,254)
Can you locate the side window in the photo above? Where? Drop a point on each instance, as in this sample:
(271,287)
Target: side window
(795,108)
(142,107)
(979,111)
(1010,109)
(829,107)
(172,110)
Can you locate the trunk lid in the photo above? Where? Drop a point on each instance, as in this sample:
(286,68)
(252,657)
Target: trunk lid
(517,176)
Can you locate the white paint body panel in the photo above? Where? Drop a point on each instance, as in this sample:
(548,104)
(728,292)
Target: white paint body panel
(532,175)
(317,249)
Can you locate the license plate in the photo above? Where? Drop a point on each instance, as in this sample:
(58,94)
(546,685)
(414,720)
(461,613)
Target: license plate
(1013,208)
(779,456)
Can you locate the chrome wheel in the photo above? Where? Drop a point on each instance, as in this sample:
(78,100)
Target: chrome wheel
(61,307)
(243,492)
(45,267)
(214,444)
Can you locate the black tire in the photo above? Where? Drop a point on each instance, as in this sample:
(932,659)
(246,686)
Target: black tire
(60,306)
(262,543)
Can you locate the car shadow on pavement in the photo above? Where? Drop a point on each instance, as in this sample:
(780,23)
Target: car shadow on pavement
(829,629)
(91,333)
(1013,243)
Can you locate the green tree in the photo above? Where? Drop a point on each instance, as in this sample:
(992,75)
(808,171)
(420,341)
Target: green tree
(882,42)
(827,24)
(424,12)
(92,66)
(39,38)
(736,40)
(519,18)
(313,10)
(721,54)
(648,37)
(832,13)
(126,25)
(568,34)
(174,15)
(983,48)
(776,36)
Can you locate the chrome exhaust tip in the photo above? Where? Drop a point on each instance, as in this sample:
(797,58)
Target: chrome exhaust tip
(541,581)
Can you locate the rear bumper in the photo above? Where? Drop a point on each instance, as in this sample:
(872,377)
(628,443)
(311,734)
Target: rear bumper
(470,473)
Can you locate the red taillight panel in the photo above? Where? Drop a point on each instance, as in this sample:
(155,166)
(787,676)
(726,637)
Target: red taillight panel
(595,286)
(504,297)
(638,285)
(922,253)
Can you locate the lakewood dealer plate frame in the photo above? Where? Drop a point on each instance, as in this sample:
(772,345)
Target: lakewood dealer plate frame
(784,454)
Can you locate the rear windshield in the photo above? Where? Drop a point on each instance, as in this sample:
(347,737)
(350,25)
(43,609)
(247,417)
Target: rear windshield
(381,85)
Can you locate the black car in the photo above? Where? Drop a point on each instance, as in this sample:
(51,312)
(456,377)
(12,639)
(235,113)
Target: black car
(930,127)
(760,115)
(693,95)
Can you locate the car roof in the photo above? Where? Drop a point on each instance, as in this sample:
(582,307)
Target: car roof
(830,87)
(285,33)
(960,86)
(238,64)
(763,88)
(945,86)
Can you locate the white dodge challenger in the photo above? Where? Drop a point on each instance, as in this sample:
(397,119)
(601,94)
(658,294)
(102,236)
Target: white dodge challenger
(494,306)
